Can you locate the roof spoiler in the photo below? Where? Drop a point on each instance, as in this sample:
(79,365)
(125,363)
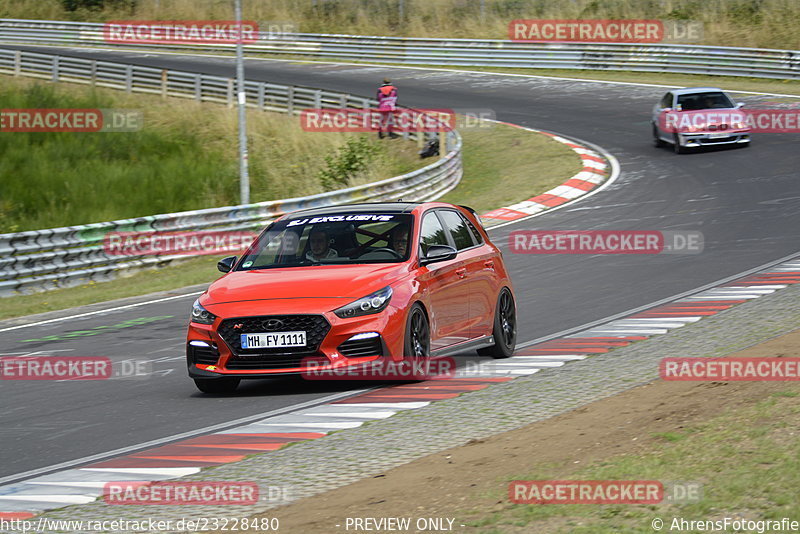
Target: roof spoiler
(473,212)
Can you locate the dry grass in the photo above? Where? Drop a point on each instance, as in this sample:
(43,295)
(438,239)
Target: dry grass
(757,23)
(185,157)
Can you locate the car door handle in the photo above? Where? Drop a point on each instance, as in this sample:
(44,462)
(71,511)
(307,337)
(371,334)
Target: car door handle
(462,273)
(489,264)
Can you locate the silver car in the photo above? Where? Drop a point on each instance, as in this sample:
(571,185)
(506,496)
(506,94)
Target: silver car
(694,106)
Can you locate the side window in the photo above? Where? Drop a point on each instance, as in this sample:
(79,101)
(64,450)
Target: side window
(458,229)
(476,235)
(666,102)
(432,232)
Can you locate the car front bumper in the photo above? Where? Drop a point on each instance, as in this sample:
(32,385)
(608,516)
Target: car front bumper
(691,140)
(213,351)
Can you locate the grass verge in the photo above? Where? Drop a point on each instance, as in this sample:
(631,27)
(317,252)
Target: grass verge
(185,157)
(491,179)
(746,460)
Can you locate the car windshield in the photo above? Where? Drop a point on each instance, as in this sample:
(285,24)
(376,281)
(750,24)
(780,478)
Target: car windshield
(698,101)
(337,238)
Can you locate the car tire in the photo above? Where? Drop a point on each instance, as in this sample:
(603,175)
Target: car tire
(417,343)
(657,141)
(505,327)
(217,386)
(677,146)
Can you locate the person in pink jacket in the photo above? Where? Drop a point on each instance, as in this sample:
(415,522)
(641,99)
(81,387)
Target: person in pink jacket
(387,103)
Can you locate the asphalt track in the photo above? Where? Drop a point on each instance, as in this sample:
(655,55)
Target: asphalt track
(745,201)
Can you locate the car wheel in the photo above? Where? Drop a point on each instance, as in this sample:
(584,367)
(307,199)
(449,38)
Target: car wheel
(217,386)
(505,327)
(657,141)
(677,146)
(417,343)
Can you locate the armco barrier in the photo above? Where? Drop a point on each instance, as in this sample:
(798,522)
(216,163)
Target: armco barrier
(676,58)
(62,257)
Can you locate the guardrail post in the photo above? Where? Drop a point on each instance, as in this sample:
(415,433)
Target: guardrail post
(290,100)
(317,99)
(93,71)
(442,144)
(230,92)
(343,101)
(164,83)
(129,79)
(198,87)
(261,90)
(55,68)
(18,63)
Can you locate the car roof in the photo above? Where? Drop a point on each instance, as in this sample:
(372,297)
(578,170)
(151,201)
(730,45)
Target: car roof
(696,90)
(366,207)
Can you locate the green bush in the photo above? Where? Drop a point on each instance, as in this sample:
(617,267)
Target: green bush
(347,162)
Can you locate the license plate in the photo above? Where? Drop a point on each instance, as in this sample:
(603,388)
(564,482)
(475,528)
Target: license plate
(272,340)
(718,135)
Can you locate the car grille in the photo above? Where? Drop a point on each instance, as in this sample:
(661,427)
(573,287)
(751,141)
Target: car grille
(355,348)
(710,141)
(202,355)
(316,328)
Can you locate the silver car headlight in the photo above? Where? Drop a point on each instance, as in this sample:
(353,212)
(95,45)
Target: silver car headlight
(201,315)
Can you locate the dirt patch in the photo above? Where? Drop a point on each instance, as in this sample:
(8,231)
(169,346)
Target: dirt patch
(464,482)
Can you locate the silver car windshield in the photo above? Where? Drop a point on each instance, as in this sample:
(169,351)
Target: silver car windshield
(699,101)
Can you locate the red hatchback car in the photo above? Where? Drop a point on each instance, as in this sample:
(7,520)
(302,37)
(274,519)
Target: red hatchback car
(345,285)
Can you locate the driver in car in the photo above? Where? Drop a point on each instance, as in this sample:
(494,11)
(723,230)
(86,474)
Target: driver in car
(320,246)
(399,239)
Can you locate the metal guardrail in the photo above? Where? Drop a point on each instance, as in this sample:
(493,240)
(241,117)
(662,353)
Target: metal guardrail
(62,257)
(674,58)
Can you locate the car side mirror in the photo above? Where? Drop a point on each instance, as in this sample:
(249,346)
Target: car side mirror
(438,253)
(226,264)
(740,105)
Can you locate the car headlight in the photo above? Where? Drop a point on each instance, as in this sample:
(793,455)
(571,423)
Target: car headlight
(372,303)
(201,315)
